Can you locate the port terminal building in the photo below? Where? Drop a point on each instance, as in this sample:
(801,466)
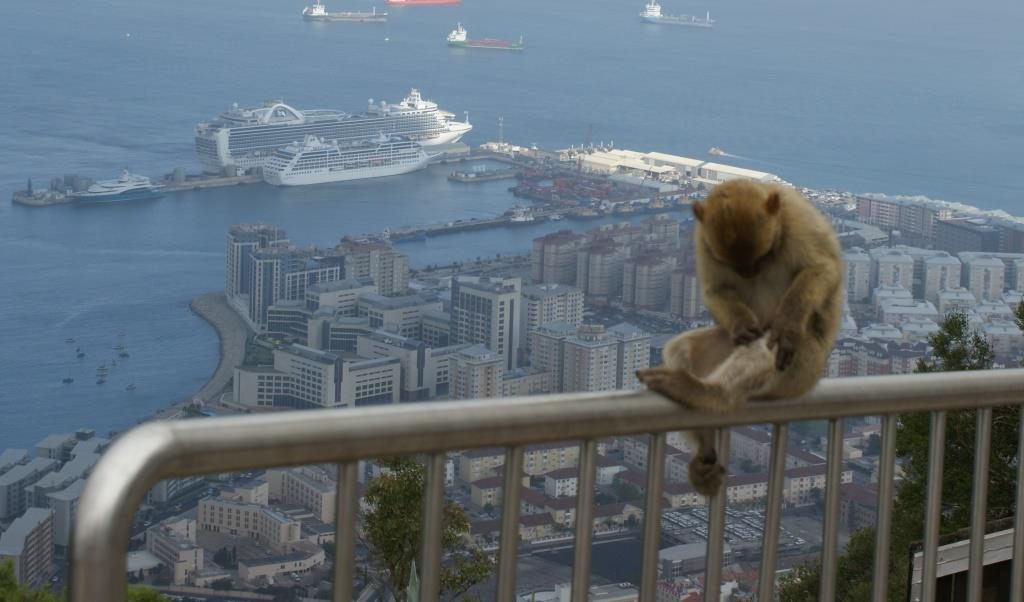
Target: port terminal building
(662,166)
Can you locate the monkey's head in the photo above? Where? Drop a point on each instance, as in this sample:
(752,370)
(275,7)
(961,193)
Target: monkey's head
(739,224)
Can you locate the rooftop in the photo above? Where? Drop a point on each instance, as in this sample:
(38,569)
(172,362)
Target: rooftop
(688,551)
(12,541)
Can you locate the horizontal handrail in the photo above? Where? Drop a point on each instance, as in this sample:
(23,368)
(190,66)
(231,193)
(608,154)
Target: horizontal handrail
(167,449)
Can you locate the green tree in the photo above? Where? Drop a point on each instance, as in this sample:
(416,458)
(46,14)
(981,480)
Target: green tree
(625,492)
(11,592)
(955,347)
(393,524)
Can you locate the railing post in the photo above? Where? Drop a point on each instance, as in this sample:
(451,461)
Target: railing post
(830,537)
(509,542)
(883,531)
(979,503)
(433,506)
(773,512)
(1017,586)
(346,510)
(933,512)
(584,521)
(716,527)
(652,518)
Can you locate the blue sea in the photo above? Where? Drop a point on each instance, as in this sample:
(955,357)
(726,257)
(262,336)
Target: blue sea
(902,98)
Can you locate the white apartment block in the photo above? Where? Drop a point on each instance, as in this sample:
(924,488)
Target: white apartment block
(857,265)
(255,521)
(543,303)
(476,373)
(984,276)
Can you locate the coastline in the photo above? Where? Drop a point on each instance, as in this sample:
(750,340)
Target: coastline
(232,334)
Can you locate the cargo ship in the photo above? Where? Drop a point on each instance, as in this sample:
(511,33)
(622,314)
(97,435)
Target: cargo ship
(652,14)
(129,187)
(318,12)
(458,38)
(419,2)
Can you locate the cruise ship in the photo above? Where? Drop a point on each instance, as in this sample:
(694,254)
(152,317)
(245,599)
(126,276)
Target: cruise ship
(242,139)
(128,187)
(319,161)
(652,14)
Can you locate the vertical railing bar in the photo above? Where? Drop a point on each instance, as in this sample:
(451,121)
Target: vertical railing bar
(933,508)
(979,503)
(716,528)
(886,470)
(773,512)
(1017,584)
(433,504)
(509,542)
(830,534)
(652,518)
(346,511)
(584,521)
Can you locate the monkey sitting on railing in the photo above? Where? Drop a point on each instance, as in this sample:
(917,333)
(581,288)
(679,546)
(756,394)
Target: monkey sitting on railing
(770,271)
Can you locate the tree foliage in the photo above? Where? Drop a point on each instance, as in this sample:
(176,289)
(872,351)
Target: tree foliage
(11,592)
(393,524)
(956,347)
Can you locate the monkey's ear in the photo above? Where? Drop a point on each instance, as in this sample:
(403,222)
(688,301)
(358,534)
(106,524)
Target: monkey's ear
(772,204)
(698,211)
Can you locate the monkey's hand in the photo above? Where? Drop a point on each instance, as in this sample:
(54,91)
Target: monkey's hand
(785,336)
(745,328)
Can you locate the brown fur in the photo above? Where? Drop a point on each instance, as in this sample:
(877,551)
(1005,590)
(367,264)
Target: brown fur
(770,270)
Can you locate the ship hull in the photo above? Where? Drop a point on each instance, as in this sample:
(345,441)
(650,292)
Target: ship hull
(419,2)
(123,197)
(327,177)
(487,45)
(670,21)
(350,17)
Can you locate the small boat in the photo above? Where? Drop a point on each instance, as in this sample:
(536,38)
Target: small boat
(100,381)
(67,380)
(80,354)
(130,387)
(123,354)
(714,150)
(69,340)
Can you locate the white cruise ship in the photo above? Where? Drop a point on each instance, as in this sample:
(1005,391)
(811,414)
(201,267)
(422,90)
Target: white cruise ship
(319,161)
(244,138)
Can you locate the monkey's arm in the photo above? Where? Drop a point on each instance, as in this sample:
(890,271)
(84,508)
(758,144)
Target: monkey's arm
(806,293)
(732,314)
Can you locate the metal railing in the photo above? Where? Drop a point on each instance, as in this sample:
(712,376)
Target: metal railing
(161,450)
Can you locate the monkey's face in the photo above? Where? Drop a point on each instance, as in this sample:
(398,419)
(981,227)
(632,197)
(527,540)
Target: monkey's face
(739,224)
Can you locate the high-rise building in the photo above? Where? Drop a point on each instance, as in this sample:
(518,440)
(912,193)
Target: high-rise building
(591,358)
(857,264)
(957,235)
(663,228)
(599,270)
(28,544)
(378,260)
(645,281)
(685,298)
(284,274)
(553,257)
(17,480)
(486,311)
(242,241)
(941,272)
(984,276)
(893,267)
(476,373)
(543,303)
(958,298)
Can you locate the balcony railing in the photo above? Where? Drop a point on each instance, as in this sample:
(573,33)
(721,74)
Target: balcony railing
(161,450)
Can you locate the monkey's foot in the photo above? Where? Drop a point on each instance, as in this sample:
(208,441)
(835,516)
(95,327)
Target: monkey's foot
(706,474)
(682,387)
